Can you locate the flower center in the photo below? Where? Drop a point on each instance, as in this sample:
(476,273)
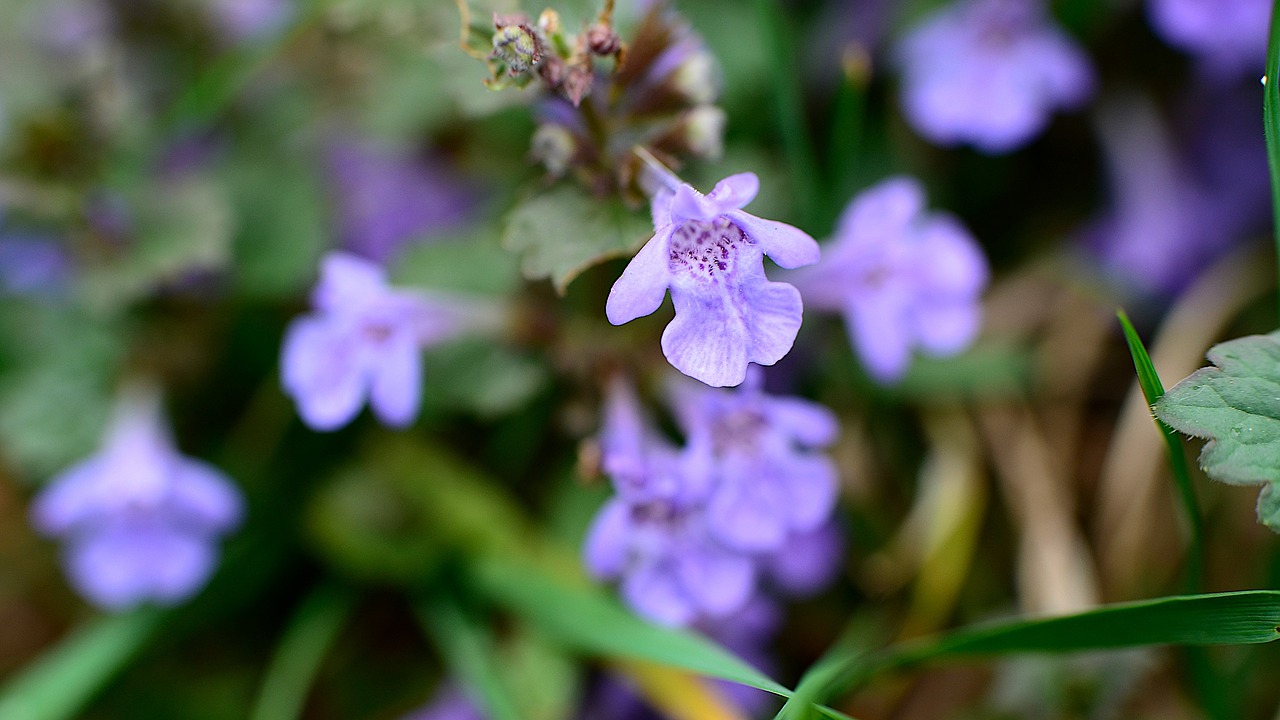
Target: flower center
(704,251)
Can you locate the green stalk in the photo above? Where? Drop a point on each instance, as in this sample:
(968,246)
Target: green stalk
(789,103)
(1271,98)
(311,632)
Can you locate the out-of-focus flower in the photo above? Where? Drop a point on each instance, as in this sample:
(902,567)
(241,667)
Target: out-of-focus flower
(768,482)
(807,562)
(74,28)
(989,73)
(32,266)
(449,703)
(140,521)
(388,199)
(711,255)
(653,534)
(243,20)
(365,340)
(903,278)
(1169,215)
(1229,36)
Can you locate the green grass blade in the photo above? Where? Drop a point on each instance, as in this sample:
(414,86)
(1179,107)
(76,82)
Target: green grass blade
(586,621)
(468,650)
(1153,390)
(63,680)
(1270,103)
(789,101)
(311,631)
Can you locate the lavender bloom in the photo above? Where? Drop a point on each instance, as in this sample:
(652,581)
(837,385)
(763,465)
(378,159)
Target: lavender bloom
(449,703)
(989,73)
(363,340)
(245,20)
(807,563)
(387,200)
(711,255)
(140,520)
(31,266)
(1229,36)
(904,279)
(653,535)
(768,483)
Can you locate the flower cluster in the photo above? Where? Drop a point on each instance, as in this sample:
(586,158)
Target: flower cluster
(903,278)
(140,521)
(693,531)
(364,340)
(989,73)
(710,253)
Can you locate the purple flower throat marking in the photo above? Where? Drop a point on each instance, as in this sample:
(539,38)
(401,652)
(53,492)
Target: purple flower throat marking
(702,251)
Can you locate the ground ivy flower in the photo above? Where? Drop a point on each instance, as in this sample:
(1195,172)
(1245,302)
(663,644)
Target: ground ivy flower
(711,255)
(364,340)
(1229,36)
(989,73)
(769,482)
(140,521)
(903,278)
(653,534)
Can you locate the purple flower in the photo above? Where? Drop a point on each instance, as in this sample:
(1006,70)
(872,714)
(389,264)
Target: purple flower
(1229,36)
(903,278)
(140,521)
(32,267)
(807,563)
(388,199)
(363,340)
(242,20)
(989,73)
(653,534)
(768,484)
(710,254)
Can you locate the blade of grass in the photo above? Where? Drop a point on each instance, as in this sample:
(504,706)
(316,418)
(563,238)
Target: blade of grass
(311,632)
(1237,618)
(468,650)
(1153,390)
(1270,101)
(789,102)
(63,680)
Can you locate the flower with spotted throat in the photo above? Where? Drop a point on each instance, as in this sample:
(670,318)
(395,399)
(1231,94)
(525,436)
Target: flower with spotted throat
(711,255)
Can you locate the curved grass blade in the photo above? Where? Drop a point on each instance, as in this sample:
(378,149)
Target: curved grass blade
(311,632)
(63,680)
(1270,108)
(1153,390)
(1236,618)
(468,650)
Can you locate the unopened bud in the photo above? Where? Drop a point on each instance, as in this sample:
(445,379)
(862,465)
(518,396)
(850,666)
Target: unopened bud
(517,47)
(602,40)
(697,78)
(555,147)
(704,131)
(577,84)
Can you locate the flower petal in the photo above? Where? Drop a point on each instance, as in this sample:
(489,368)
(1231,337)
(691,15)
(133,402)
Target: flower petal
(718,581)
(706,340)
(735,191)
(788,246)
(347,282)
(775,312)
(810,486)
(204,497)
(653,591)
(749,510)
(396,391)
(947,328)
(321,369)
(643,284)
(808,423)
(689,204)
(605,549)
(880,336)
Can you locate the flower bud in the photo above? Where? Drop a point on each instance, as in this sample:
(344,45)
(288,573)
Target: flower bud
(602,40)
(517,47)
(703,131)
(555,147)
(697,78)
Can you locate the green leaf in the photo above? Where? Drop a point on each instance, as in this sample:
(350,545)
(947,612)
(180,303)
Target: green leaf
(311,632)
(564,231)
(1153,390)
(1218,619)
(468,649)
(61,682)
(1236,407)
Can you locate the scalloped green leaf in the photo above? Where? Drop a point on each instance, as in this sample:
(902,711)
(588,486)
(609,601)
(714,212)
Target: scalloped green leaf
(564,231)
(1235,405)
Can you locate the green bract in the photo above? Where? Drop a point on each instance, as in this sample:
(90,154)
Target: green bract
(1236,407)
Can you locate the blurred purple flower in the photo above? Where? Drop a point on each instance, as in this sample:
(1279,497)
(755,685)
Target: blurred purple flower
(449,703)
(807,562)
(769,484)
(653,534)
(140,520)
(902,277)
(710,254)
(1229,36)
(72,28)
(33,267)
(989,73)
(388,199)
(612,697)
(245,20)
(748,633)
(1172,212)
(364,340)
